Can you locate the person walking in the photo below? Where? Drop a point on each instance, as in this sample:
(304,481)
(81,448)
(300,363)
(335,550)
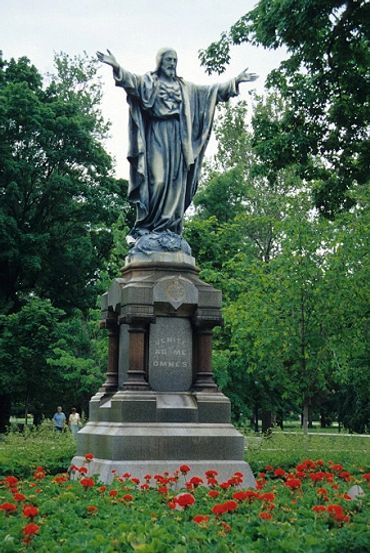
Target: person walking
(74,421)
(59,420)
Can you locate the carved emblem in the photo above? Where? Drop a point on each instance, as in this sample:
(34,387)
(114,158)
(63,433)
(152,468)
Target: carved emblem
(176,292)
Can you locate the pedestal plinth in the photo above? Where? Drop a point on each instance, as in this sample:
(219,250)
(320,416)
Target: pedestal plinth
(160,407)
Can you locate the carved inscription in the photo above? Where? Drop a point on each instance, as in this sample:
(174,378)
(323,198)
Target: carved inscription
(170,354)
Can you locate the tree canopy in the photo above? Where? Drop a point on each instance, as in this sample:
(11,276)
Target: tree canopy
(58,198)
(324,86)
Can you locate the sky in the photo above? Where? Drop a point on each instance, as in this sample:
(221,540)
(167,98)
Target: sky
(134,30)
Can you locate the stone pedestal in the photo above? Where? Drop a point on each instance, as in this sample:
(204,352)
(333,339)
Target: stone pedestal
(160,407)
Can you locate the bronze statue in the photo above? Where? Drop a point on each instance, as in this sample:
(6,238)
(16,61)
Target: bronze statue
(169,128)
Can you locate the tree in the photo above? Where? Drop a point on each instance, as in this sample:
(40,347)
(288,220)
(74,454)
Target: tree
(324,84)
(50,359)
(57,196)
(59,205)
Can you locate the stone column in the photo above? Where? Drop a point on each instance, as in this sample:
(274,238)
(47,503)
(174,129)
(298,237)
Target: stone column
(137,353)
(204,380)
(111,382)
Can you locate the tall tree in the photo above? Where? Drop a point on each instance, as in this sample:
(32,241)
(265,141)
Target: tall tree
(325,85)
(57,196)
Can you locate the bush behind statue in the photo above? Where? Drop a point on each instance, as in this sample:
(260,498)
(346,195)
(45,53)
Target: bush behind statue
(22,452)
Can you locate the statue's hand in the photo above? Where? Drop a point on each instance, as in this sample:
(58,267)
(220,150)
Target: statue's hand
(245,77)
(109,59)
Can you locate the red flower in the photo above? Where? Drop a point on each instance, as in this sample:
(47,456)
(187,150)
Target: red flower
(172,504)
(195,481)
(279,472)
(127,497)
(83,470)
(268,496)
(211,474)
(293,483)
(30,511)
(260,484)
(91,508)
(200,519)
(269,468)
(102,489)
(230,505)
(213,493)
(163,490)
(126,475)
(19,497)
(147,477)
(31,529)
(218,509)
(336,468)
(319,508)
(345,475)
(39,474)
(265,516)
(184,499)
(335,509)
(240,496)
(8,507)
(144,486)
(184,469)
(236,479)
(113,493)
(225,485)
(366,476)
(212,482)
(135,480)
(87,482)
(11,481)
(89,456)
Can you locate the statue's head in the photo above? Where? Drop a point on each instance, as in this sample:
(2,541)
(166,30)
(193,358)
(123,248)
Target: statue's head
(167,62)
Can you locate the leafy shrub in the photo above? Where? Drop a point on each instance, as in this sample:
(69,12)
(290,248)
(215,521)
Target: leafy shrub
(20,452)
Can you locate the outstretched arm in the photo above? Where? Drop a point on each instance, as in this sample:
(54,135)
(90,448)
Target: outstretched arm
(231,88)
(129,81)
(245,77)
(109,59)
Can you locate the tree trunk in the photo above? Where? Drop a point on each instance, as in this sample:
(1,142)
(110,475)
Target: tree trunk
(266,420)
(310,424)
(256,427)
(323,423)
(280,419)
(305,417)
(26,407)
(5,405)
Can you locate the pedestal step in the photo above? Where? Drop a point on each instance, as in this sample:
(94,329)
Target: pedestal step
(149,406)
(176,408)
(106,469)
(161,441)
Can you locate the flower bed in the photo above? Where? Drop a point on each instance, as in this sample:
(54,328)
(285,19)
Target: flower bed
(315,507)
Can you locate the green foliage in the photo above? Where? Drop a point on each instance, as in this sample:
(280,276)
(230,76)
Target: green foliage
(50,359)
(285,449)
(294,284)
(57,198)
(324,84)
(61,212)
(21,452)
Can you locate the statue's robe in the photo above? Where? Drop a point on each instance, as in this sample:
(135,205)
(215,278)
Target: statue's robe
(169,129)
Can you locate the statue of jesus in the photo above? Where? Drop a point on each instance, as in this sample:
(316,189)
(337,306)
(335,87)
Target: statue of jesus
(169,128)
